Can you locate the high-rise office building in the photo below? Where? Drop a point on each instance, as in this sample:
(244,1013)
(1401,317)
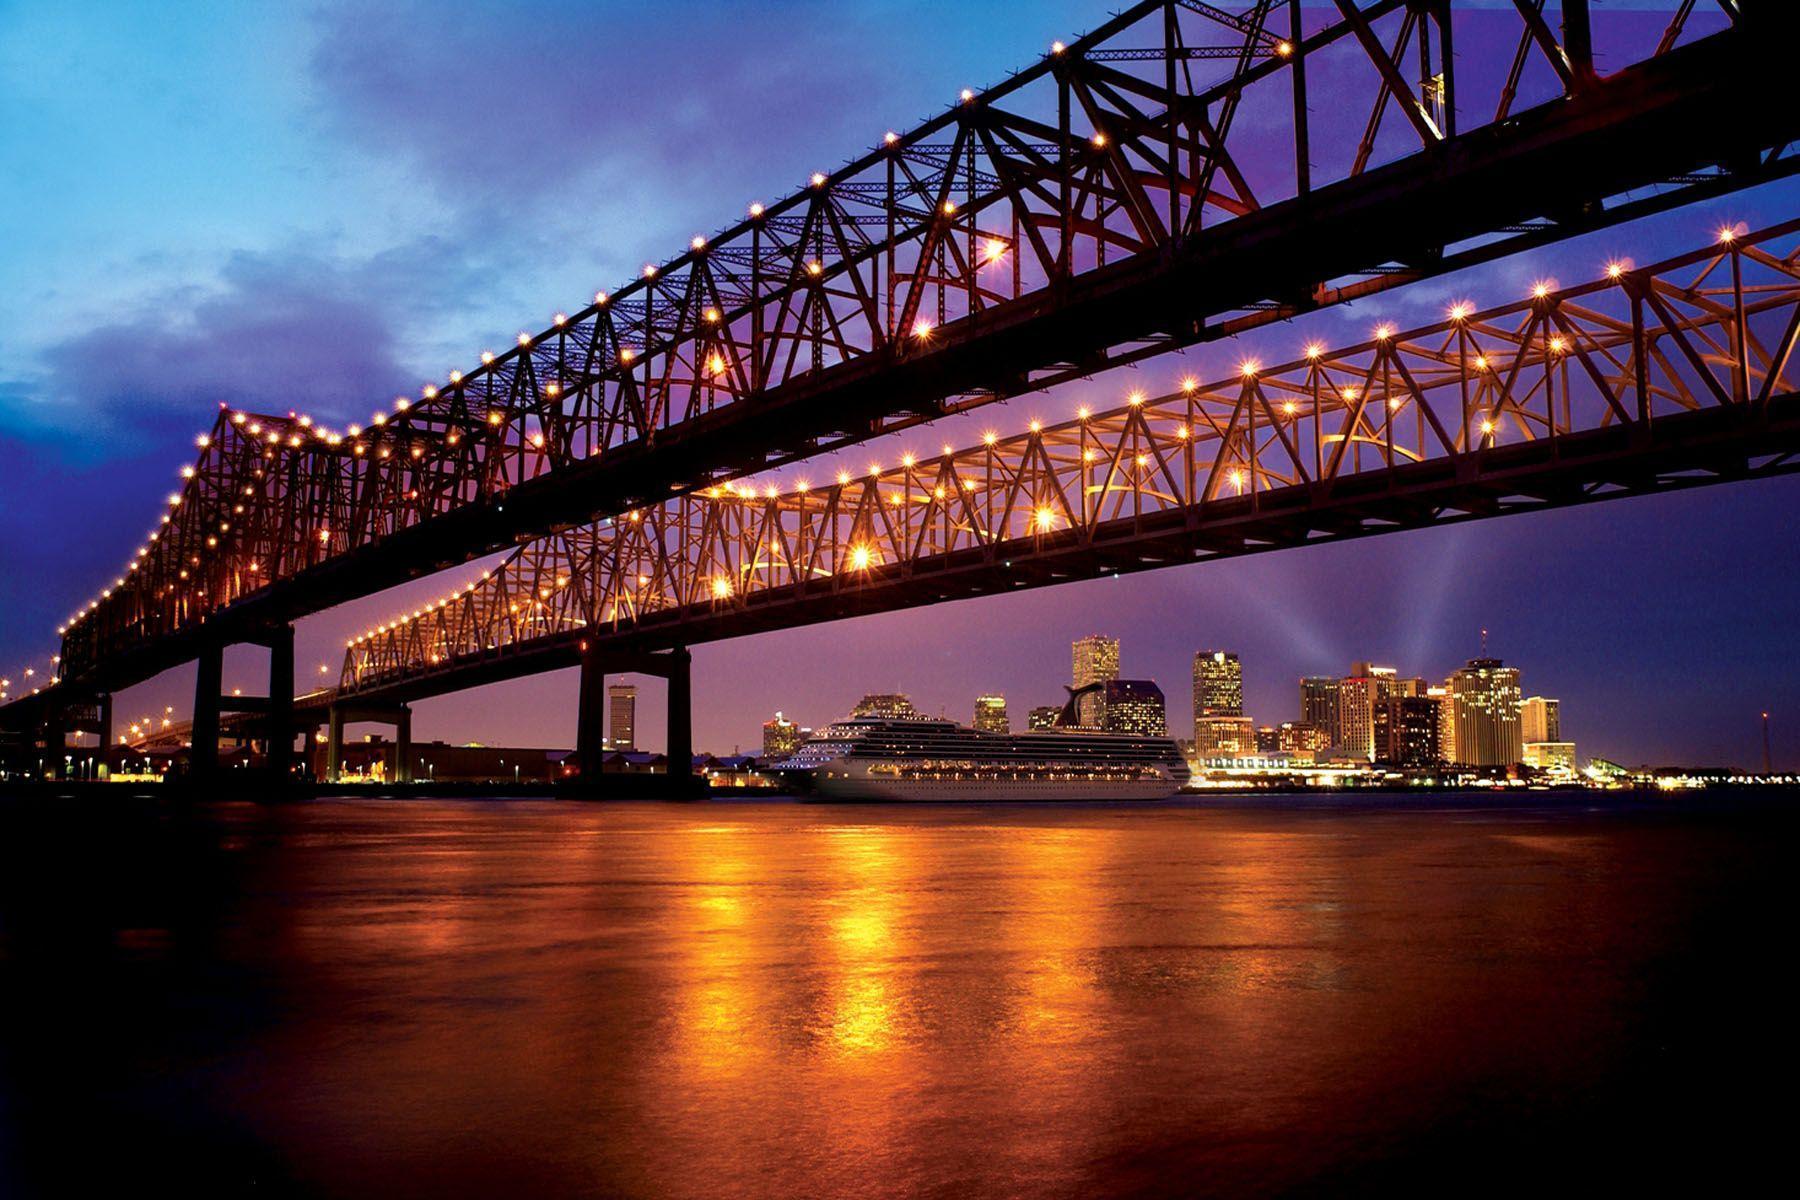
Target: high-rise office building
(1406,731)
(1218,684)
(1358,693)
(1133,706)
(885,704)
(1319,705)
(1095,659)
(1043,716)
(1487,714)
(1445,699)
(1540,719)
(621,720)
(781,737)
(990,714)
(1268,739)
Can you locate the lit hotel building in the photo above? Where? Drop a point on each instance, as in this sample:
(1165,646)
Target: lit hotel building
(1218,684)
(1224,737)
(1487,714)
(990,714)
(1095,659)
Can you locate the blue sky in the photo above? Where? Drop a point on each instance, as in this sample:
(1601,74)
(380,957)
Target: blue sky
(321,206)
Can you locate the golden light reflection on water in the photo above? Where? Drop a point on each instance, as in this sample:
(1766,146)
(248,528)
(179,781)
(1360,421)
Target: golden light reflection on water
(814,1000)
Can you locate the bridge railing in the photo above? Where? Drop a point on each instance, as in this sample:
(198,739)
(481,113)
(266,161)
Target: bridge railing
(1715,328)
(1167,124)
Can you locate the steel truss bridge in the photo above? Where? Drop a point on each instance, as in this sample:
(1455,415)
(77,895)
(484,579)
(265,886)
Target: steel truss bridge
(1180,174)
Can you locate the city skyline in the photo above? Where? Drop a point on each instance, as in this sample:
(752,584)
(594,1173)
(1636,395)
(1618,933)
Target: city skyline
(229,272)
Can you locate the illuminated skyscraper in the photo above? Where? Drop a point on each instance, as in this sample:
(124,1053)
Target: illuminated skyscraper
(1218,684)
(621,703)
(1540,720)
(1358,694)
(1134,706)
(1406,731)
(1487,714)
(1319,705)
(1095,660)
(990,714)
(885,704)
(1445,699)
(781,737)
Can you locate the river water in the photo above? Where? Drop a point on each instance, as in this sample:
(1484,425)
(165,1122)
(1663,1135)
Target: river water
(406,997)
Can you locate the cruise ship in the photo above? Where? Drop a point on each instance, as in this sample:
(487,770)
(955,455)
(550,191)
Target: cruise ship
(889,758)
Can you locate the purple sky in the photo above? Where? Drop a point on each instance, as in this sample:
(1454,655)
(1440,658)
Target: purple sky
(321,207)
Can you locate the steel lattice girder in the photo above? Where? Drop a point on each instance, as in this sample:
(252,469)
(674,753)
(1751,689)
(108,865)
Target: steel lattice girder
(1644,379)
(1094,208)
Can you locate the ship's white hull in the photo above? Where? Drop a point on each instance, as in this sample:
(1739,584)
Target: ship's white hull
(855,785)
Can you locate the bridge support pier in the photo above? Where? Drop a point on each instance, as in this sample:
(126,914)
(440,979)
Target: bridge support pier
(590,718)
(209,682)
(590,721)
(397,715)
(681,722)
(280,743)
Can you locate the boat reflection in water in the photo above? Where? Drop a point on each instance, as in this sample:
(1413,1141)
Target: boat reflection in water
(886,758)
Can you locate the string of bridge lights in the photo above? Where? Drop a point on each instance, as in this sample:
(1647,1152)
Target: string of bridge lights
(1459,311)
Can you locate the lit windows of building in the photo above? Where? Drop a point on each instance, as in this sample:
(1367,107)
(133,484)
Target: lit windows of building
(1268,739)
(990,714)
(1406,731)
(621,716)
(1358,694)
(1218,684)
(1554,758)
(885,704)
(1224,737)
(1094,659)
(1043,716)
(1134,706)
(1302,740)
(1319,705)
(1487,714)
(1540,720)
(1445,699)
(780,737)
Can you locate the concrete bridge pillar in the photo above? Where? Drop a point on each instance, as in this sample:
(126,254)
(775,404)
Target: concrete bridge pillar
(681,715)
(590,717)
(334,745)
(280,755)
(403,762)
(209,681)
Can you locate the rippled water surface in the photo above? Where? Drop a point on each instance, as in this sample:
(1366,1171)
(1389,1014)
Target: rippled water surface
(461,998)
